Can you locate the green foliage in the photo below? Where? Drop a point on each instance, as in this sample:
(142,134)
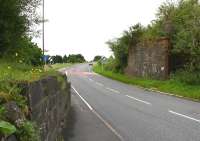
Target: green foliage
(187,77)
(59,66)
(97,58)
(120,46)
(11,71)
(16,20)
(187,37)
(29,53)
(28,132)
(65,59)
(179,21)
(182,19)
(72,58)
(170,86)
(2,112)
(110,64)
(57,59)
(10,92)
(6,128)
(76,58)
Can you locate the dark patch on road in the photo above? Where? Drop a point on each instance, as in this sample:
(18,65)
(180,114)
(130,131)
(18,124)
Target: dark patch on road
(68,131)
(83,125)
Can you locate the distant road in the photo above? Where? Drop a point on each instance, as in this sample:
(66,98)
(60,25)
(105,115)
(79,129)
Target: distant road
(133,114)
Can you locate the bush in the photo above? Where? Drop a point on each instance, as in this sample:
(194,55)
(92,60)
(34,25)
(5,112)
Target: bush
(28,132)
(26,52)
(191,78)
(97,58)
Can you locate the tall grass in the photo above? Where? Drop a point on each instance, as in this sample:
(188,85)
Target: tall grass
(18,72)
(59,66)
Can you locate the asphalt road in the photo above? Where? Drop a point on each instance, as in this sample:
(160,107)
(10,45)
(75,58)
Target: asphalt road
(133,114)
(84,125)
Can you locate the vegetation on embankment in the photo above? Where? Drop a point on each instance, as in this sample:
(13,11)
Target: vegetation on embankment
(59,66)
(178,21)
(20,60)
(11,74)
(173,85)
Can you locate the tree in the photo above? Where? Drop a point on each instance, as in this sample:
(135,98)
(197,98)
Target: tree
(97,58)
(57,59)
(76,58)
(184,30)
(120,46)
(16,20)
(65,59)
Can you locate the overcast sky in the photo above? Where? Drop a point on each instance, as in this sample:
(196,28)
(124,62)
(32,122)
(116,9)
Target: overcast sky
(83,26)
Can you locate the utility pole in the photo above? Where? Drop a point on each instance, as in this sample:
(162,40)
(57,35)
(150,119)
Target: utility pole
(43,18)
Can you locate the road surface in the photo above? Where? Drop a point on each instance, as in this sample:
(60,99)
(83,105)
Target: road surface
(133,114)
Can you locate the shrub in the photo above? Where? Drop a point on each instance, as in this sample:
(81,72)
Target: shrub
(187,77)
(28,132)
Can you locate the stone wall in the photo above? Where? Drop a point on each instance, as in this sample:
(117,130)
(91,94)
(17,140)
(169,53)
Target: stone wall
(49,103)
(149,59)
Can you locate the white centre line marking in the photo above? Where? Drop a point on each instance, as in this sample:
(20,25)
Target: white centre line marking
(181,115)
(100,84)
(100,117)
(145,102)
(115,91)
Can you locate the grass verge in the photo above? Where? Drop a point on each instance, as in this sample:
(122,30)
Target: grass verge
(169,86)
(21,72)
(59,66)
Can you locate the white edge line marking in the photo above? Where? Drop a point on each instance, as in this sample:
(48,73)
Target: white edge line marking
(109,126)
(100,84)
(175,113)
(106,123)
(90,107)
(115,91)
(145,102)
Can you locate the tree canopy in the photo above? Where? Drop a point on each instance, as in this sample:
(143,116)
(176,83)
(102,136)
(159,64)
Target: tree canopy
(97,58)
(177,20)
(120,46)
(72,58)
(17,19)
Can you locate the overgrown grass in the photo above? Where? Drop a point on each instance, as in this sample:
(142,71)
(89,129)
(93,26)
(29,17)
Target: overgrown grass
(59,66)
(16,72)
(169,86)
(20,72)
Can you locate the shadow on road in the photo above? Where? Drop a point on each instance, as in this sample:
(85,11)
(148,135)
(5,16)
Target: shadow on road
(68,131)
